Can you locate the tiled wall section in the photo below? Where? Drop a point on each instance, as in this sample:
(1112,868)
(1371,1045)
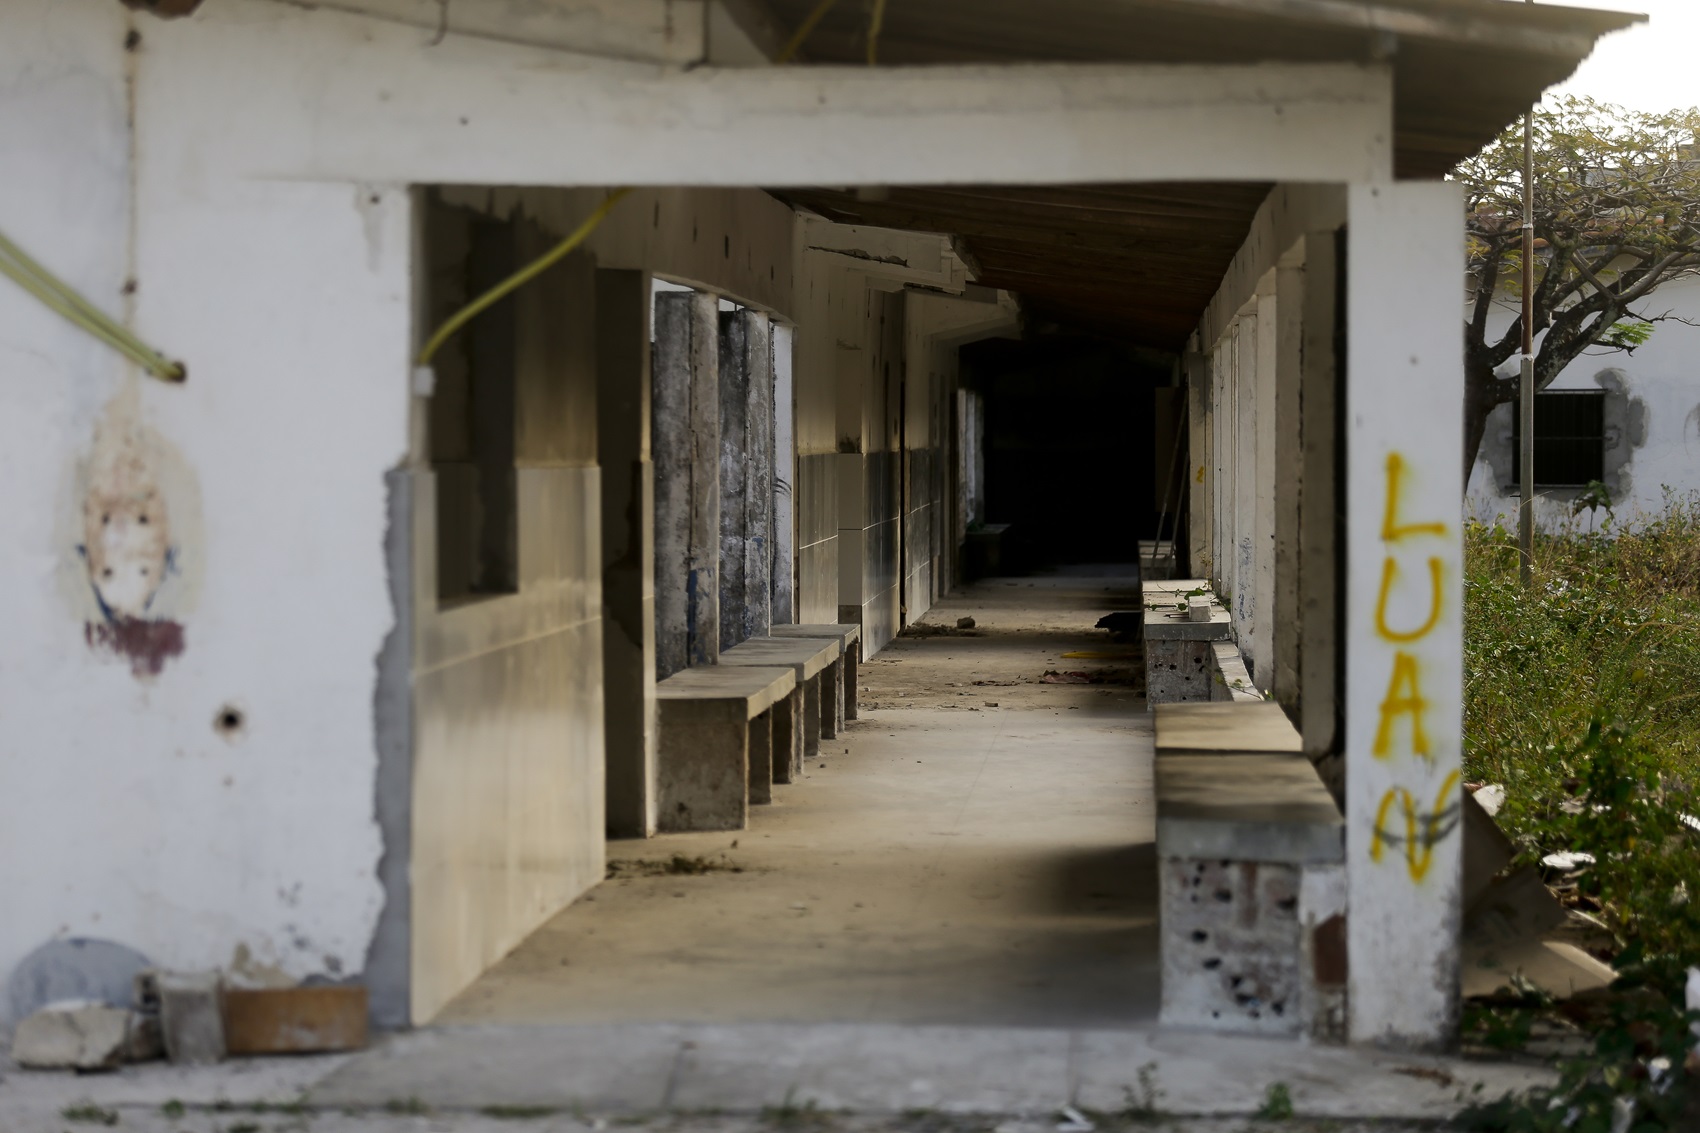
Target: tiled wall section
(919,589)
(816,515)
(868,554)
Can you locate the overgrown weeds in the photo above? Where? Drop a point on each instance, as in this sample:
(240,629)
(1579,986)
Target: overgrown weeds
(1580,698)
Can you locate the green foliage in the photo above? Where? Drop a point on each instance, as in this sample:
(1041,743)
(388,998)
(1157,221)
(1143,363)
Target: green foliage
(1579,698)
(89,1114)
(1633,1079)
(789,1115)
(1143,1103)
(1277,1103)
(1627,334)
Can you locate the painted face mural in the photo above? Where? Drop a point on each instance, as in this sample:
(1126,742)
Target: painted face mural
(132,493)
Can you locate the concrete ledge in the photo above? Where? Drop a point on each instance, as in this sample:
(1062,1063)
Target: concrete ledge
(1174,625)
(1234,728)
(1254,807)
(1230,679)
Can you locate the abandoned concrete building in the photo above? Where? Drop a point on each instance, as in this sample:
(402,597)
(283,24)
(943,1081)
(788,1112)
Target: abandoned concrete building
(344,657)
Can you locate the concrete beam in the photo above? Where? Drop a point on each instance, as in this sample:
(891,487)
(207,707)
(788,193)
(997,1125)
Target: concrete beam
(1404,611)
(382,102)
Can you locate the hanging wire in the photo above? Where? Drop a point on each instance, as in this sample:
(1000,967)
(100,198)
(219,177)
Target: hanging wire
(520,278)
(59,297)
(803,30)
(874,23)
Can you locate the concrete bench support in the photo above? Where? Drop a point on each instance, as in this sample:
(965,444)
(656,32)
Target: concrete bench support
(1251,855)
(809,658)
(838,684)
(714,757)
(1179,662)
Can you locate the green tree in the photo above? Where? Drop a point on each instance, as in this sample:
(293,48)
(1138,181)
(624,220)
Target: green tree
(1617,214)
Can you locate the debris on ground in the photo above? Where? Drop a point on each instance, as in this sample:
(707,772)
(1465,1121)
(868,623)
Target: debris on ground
(1090,677)
(74,1034)
(677,865)
(1566,861)
(964,623)
(1491,796)
(931,629)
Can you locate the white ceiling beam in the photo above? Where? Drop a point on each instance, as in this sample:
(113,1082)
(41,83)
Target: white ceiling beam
(385,103)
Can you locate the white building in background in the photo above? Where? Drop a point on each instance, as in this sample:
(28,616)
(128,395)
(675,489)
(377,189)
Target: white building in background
(1628,420)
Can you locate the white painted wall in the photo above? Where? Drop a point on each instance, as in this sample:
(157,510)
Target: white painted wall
(123,813)
(1663,376)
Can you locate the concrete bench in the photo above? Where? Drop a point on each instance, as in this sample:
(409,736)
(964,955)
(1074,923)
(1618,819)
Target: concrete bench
(809,658)
(1179,661)
(721,732)
(1202,729)
(841,674)
(1251,853)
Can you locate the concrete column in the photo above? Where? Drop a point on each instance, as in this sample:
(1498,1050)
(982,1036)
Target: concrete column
(1321,587)
(734,479)
(628,562)
(1267,488)
(1289,482)
(1200,425)
(685,444)
(758,475)
(746,477)
(670,431)
(704,577)
(1404,623)
(1245,478)
(784,480)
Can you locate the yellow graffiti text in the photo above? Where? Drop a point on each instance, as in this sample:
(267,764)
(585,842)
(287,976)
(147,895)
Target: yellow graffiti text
(1404,698)
(1392,531)
(1422,832)
(1390,571)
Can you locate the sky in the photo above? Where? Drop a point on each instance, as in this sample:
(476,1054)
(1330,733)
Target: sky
(1654,67)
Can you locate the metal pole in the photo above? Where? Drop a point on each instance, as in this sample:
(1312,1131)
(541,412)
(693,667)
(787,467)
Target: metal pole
(1526,402)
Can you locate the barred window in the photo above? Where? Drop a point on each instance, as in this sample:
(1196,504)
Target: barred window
(1569,438)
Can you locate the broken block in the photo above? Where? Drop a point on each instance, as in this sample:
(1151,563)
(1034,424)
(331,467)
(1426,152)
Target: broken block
(75,1034)
(191,1015)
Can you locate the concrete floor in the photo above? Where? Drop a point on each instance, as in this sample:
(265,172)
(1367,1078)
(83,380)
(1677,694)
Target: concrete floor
(948,927)
(977,850)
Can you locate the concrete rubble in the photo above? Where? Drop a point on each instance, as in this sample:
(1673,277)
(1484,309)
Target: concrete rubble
(75,1034)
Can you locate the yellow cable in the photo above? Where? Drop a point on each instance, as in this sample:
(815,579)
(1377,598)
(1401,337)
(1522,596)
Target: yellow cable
(874,23)
(803,30)
(63,300)
(520,278)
